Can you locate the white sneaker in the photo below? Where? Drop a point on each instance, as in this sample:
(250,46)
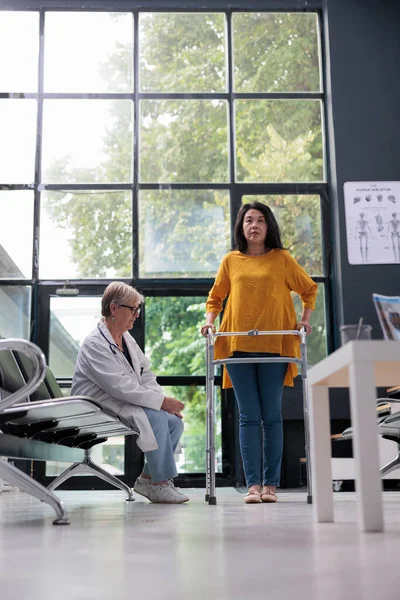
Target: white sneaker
(163,494)
(142,487)
(167,494)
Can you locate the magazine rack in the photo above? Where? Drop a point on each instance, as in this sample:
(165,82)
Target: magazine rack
(211,363)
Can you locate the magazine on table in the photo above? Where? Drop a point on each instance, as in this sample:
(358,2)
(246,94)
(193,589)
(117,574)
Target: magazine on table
(388,309)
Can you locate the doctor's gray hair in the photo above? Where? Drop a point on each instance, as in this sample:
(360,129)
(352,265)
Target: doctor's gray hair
(119,293)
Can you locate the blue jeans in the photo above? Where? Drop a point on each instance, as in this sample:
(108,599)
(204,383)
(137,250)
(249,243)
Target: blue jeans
(258,389)
(160,464)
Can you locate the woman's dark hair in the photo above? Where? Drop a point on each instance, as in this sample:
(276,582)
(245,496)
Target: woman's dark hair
(273,238)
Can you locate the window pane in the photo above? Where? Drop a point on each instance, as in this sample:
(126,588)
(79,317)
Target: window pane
(182,52)
(85,235)
(183,141)
(299,219)
(110,455)
(19,51)
(316,342)
(16,209)
(17,140)
(87,141)
(71,320)
(182,233)
(193,456)
(174,345)
(15,311)
(88,52)
(276,52)
(279,141)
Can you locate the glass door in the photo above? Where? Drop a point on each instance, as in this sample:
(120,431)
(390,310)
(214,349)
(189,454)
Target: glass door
(63,323)
(71,320)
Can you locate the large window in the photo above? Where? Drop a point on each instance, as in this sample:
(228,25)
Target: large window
(16,234)
(182,233)
(15,311)
(18,140)
(129,141)
(85,234)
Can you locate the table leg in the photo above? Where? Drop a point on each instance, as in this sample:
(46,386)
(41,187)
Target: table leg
(321,453)
(365,446)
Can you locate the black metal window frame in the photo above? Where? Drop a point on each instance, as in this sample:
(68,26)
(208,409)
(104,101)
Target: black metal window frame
(43,289)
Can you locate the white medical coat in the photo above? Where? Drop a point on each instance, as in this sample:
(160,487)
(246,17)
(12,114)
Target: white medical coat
(103,373)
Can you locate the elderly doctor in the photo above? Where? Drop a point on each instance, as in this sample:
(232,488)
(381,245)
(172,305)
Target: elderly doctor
(112,369)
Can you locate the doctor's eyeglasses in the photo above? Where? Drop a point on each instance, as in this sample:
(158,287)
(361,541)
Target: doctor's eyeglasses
(134,310)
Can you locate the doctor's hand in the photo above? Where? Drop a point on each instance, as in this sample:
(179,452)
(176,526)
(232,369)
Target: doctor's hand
(173,406)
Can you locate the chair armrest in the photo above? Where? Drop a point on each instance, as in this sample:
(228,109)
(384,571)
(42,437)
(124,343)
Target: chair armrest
(386,399)
(39,365)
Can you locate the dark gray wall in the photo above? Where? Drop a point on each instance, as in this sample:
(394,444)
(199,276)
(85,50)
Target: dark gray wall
(362,40)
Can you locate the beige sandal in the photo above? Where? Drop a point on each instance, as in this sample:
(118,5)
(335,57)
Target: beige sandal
(268,495)
(252,497)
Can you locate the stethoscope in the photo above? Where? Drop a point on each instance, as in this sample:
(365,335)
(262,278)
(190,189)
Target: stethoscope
(111,344)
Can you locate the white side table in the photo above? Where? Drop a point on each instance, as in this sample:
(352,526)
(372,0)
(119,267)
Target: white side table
(361,366)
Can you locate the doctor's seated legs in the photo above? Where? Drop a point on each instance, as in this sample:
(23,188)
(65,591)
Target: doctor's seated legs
(155,482)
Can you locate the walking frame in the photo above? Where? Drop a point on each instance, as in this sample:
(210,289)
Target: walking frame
(211,363)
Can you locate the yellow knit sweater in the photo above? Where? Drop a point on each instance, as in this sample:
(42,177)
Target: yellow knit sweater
(258,290)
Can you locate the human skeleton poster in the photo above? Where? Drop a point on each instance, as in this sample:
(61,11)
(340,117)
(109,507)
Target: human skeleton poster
(372,222)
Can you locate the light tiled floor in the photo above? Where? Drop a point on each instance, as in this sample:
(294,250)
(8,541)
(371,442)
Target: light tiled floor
(119,550)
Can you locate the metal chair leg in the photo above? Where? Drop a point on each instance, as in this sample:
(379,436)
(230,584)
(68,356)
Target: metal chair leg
(391,466)
(32,487)
(90,468)
(72,470)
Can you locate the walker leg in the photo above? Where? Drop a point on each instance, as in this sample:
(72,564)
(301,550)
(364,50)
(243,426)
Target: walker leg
(209,383)
(207,455)
(207,448)
(210,478)
(303,352)
(212,500)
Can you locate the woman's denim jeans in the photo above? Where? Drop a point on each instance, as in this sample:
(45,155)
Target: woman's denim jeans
(258,389)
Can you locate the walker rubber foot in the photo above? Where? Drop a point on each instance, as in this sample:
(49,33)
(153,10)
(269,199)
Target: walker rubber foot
(212,501)
(309,499)
(207,497)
